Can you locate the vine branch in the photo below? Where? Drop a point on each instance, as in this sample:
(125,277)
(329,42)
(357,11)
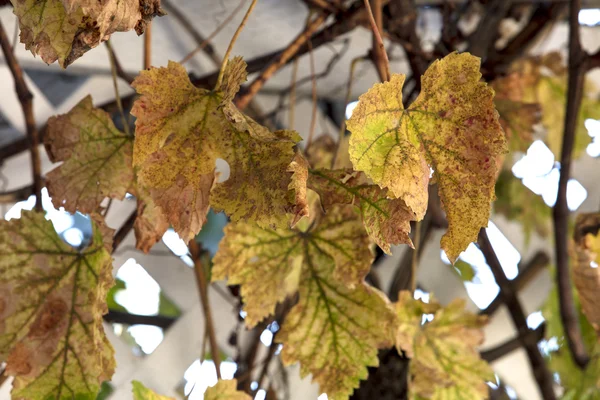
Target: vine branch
(560,213)
(541,373)
(26,100)
(202,282)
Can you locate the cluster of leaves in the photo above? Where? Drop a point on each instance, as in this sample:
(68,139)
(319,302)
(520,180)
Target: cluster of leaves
(223,390)
(297,226)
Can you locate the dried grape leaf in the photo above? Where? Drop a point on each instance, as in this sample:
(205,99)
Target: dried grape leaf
(52,298)
(64,30)
(180,133)
(451,127)
(96,155)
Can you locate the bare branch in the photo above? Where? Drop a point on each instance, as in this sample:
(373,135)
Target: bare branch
(513,344)
(541,373)
(123,231)
(196,252)
(568,312)
(26,100)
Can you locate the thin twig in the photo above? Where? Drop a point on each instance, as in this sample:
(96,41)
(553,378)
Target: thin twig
(119,68)
(568,311)
(113,69)
(202,282)
(342,131)
(292,105)
(26,100)
(148,46)
(380,55)
(232,42)
(415,258)
(538,365)
(202,44)
(282,58)
(313,118)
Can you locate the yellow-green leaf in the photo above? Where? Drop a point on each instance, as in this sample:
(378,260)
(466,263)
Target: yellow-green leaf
(451,127)
(64,30)
(267,263)
(225,390)
(386,220)
(339,322)
(445,362)
(180,133)
(52,298)
(96,155)
(141,392)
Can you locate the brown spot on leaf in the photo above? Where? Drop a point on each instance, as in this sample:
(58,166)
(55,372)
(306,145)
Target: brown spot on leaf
(50,317)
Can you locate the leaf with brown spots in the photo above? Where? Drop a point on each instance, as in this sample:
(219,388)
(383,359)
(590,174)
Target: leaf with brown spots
(53,298)
(96,155)
(151,222)
(451,127)
(181,131)
(64,30)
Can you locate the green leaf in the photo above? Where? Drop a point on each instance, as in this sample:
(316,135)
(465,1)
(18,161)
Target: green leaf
(225,390)
(181,131)
(64,30)
(52,298)
(339,322)
(96,155)
(141,392)
(386,220)
(451,127)
(464,270)
(445,362)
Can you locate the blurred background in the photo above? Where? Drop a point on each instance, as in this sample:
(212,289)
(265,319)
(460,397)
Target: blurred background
(155,321)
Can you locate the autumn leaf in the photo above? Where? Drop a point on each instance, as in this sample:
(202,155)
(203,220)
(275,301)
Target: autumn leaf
(267,263)
(451,127)
(180,133)
(141,392)
(225,390)
(96,155)
(386,220)
(52,298)
(585,259)
(64,30)
(339,322)
(445,362)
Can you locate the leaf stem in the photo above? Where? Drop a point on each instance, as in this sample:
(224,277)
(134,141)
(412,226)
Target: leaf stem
(313,118)
(381,58)
(292,111)
(415,257)
(148,46)
(232,42)
(113,70)
(202,282)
